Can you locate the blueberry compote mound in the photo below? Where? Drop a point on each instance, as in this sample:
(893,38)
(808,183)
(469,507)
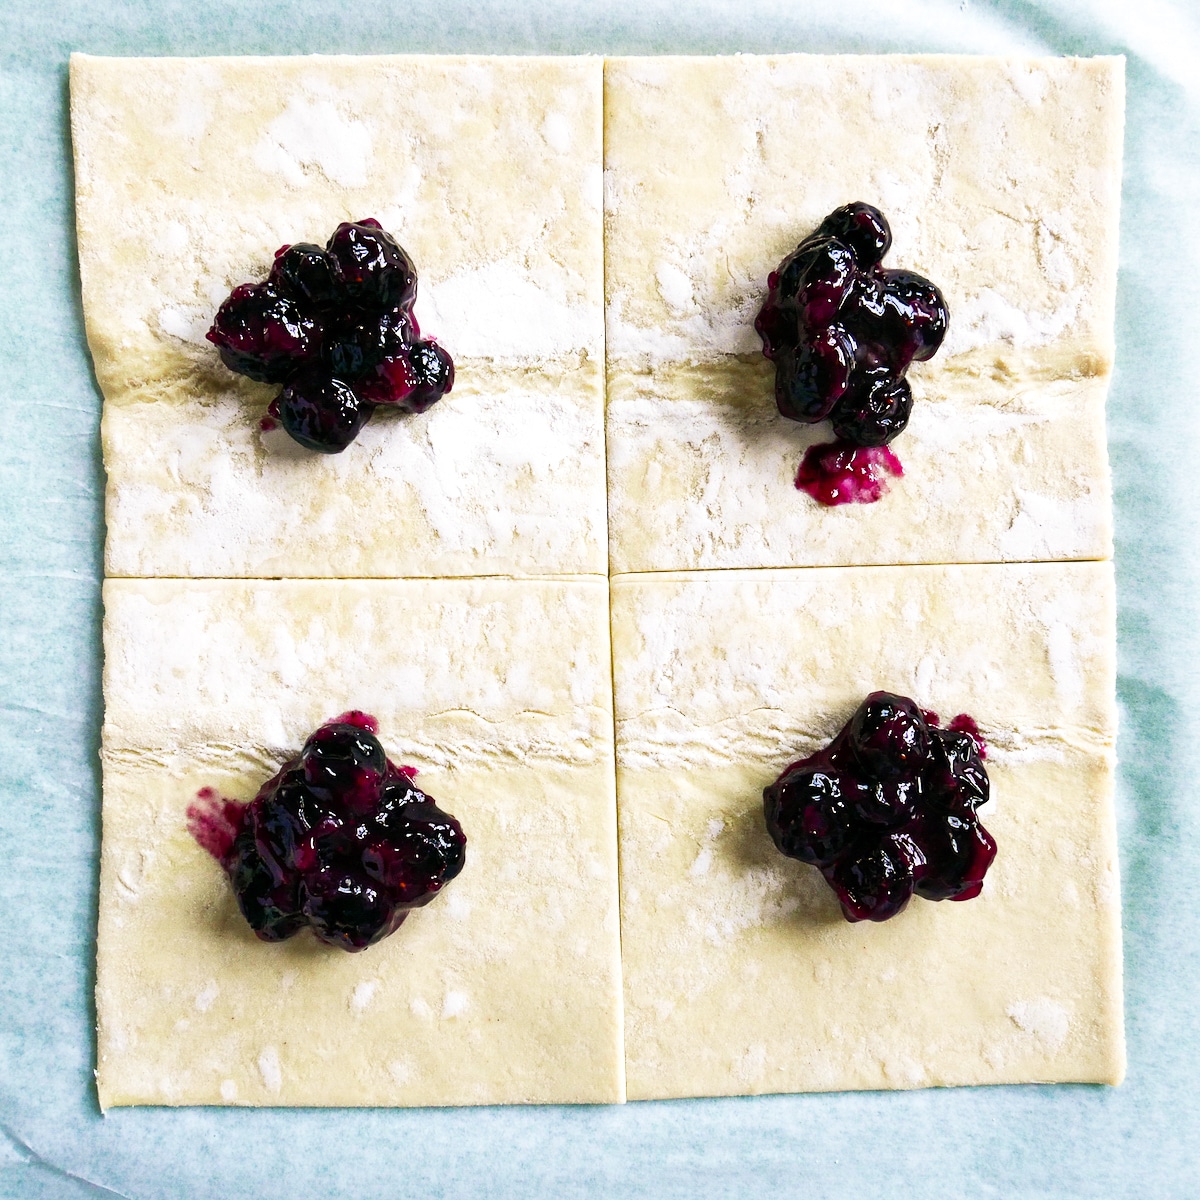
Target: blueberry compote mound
(335,327)
(888,809)
(340,840)
(842,330)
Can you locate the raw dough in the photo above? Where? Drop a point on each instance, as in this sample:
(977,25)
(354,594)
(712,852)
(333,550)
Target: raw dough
(1001,180)
(741,975)
(702,475)
(505,989)
(504,476)
(191,172)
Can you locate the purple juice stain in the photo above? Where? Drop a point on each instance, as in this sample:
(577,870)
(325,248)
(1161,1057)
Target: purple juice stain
(215,822)
(841,473)
(271,420)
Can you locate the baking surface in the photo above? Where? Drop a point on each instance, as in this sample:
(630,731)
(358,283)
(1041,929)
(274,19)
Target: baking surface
(1013,1141)
(169,152)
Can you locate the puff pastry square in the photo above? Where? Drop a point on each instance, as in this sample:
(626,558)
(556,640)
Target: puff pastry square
(1001,180)
(190,173)
(506,989)
(741,975)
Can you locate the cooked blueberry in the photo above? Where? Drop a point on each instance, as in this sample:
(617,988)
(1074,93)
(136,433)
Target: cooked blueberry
(322,413)
(335,326)
(956,775)
(810,813)
(863,228)
(888,802)
(916,315)
(868,319)
(264,334)
(271,906)
(433,371)
(778,325)
(336,842)
(875,415)
(815,278)
(888,737)
(810,380)
(412,381)
(345,908)
(887,807)
(355,344)
(307,272)
(958,852)
(876,883)
(395,796)
(282,821)
(842,331)
(390,382)
(347,761)
(372,269)
(419,857)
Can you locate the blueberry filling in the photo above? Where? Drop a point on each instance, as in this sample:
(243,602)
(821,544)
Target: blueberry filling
(340,840)
(888,809)
(335,327)
(842,330)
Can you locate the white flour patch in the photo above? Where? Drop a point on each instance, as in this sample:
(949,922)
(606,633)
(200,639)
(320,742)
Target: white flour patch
(455,1004)
(990,317)
(364,993)
(675,287)
(313,134)
(556,129)
(1046,1019)
(206,995)
(186,325)
(269,1069)
(500,310)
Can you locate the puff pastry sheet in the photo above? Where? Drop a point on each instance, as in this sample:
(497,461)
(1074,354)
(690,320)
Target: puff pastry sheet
(741,976)
(1001,180)
(628,432)
(505,989)
(190,173)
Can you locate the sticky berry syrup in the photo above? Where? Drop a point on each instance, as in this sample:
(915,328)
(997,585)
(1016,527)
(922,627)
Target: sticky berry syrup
(334,327)
(842,473)
(842,331)
(887,810)
(340,840)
